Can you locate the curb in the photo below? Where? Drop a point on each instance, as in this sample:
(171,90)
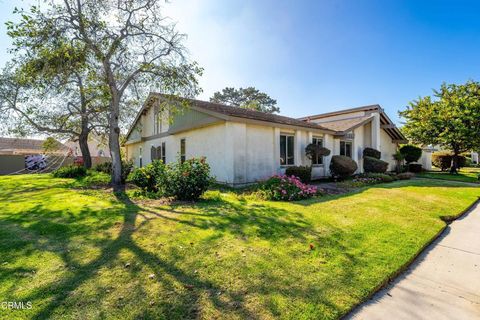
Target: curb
(448,220)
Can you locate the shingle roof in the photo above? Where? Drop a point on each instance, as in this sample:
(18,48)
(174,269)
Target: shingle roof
(24,146)
(248,114)
(345,124)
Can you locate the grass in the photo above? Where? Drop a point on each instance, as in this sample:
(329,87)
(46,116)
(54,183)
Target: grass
(464,175)
(78,253)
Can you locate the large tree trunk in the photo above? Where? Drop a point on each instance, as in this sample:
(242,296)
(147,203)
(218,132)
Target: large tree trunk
(454,167)
(114,144)
(83,142)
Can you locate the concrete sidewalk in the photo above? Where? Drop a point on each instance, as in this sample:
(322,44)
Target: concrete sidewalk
(443,283)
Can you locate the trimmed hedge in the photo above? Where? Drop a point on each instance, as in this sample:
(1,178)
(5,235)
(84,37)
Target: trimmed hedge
(412,153)
(374,165)
(304,173)
(373,153)
(443,160)
(342,166)
(415,167)
(72,171)
(405,176)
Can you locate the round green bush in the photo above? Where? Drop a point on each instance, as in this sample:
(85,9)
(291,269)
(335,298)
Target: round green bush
(370,152)
(72,171)
(342,166)
(188,180)
(374,165)
(151,178)
(304,173)
(412,153)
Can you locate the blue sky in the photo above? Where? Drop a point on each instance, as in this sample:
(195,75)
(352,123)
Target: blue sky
(320,56)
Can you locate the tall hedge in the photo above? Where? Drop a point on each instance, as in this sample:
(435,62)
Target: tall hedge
(342,166)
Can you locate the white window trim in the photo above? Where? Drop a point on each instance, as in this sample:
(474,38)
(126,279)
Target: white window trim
(323,158)
(287,134)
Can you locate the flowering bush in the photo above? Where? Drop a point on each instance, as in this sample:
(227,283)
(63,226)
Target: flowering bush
(283,187)
(188,180)
(151,178)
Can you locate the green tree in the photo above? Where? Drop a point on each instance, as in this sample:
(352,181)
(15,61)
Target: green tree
(450,118)
(248,98)
(132,47)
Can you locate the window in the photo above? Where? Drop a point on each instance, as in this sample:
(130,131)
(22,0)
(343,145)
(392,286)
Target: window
(346,148)
(286,150)
(318,159)
(140,158)
(157,121)
(182,150)
(164,158)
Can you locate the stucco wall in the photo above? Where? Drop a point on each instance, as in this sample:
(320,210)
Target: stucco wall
(388,149)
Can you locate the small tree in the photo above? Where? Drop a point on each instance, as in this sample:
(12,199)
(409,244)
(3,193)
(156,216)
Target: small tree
(247,98)
(411,153)
(449,119)
(398,157)
(313,151)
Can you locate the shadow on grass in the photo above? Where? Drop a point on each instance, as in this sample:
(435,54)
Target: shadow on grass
(269,223)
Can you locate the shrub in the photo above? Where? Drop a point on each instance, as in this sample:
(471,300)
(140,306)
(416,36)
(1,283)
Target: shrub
(370,152)
(375,165)
(151,178)
(442,160)
(342,166)
(412,153)
(381,177)
(461,161)
(286,188)
(415,167)
(127,167)
(314,150)
(304,173)
(188,180)
(106,167)
(405,176)
(70,172)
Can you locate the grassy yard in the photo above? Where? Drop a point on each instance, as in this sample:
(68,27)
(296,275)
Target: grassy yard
(88,254)
(464,175)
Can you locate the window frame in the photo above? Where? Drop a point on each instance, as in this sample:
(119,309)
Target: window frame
(316,162)
(345,143)
(164,157)
(287,157)
(140,157)
(183,150)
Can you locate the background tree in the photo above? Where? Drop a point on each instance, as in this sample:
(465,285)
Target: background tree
(248,98)
(451,119)
(130,44)
(66,106)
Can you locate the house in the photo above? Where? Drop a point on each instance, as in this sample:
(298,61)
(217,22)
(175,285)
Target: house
(243,146)
(19,146)
(98,146)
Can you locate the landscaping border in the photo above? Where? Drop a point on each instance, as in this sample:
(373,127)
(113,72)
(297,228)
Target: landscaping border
(448,220)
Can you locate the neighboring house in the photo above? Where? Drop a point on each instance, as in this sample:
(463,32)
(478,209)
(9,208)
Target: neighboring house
(17,146)
(243,146)
(97,145)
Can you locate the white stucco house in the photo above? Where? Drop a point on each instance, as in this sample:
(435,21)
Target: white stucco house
(243,146)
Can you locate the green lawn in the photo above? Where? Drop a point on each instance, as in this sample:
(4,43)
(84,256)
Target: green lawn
(464,175)
(87,254)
